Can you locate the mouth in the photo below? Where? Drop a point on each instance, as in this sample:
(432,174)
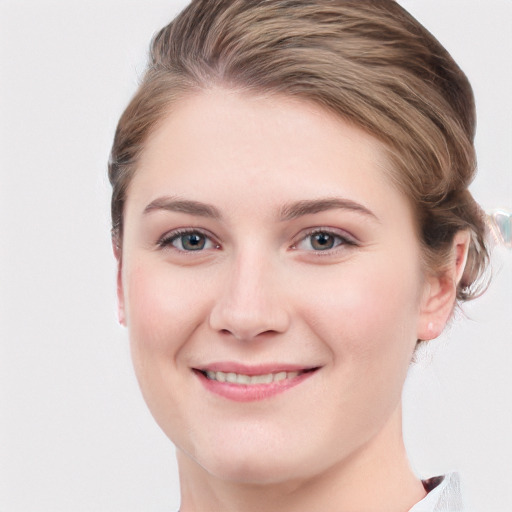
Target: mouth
(251,380)
(252,384)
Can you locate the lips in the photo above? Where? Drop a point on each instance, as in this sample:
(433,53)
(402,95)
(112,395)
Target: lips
(243,383)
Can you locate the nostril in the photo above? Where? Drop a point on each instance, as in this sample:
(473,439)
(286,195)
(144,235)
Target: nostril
(244,320)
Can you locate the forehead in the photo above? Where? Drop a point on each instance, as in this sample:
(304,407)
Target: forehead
(237,149)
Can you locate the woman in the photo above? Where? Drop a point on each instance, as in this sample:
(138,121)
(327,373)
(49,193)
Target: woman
(290,219)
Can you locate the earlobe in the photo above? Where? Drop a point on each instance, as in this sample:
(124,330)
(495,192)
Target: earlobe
(121,316)
(441,291)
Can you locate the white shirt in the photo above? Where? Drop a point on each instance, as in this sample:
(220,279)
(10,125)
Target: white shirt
(445,497)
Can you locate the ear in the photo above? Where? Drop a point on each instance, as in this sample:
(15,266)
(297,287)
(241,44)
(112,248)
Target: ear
(120,291)
(440,291)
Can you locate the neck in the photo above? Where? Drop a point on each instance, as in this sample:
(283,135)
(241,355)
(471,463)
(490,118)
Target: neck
(375,478)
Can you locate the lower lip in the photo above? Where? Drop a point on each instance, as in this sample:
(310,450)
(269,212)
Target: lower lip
(254,392)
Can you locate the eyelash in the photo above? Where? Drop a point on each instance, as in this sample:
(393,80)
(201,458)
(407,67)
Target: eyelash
(340,240)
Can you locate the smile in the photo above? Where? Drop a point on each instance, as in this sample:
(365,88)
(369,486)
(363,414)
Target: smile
(250,380)
(251,385)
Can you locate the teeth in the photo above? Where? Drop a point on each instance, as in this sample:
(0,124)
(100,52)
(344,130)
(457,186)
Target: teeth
(243,379)
(279,376)
(262,379)
(240,378)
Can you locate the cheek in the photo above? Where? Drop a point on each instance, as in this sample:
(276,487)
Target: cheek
(163,308)
(368,314)
(163,311)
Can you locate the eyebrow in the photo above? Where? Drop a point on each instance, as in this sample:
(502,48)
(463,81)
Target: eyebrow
(173,204)
(309,207)
(288,212)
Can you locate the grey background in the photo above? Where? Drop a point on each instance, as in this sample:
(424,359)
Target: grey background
(74,432)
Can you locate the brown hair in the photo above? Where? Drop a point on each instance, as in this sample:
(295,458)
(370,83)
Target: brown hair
(368,61)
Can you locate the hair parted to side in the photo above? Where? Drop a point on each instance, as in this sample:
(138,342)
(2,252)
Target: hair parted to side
(368,61)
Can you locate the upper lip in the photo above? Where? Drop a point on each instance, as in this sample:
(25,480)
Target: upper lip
(259,369)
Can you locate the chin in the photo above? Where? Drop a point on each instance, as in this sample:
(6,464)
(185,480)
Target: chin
(254,470)
(257,463)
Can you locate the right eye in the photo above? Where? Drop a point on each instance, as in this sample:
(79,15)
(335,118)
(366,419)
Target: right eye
(188,241)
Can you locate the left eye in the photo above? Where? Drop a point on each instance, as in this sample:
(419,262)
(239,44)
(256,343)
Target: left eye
(188,241)
(321,241)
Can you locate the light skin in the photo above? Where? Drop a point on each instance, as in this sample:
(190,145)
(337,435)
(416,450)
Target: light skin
(263,230)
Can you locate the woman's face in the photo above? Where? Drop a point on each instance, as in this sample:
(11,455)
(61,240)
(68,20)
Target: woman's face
(271,283)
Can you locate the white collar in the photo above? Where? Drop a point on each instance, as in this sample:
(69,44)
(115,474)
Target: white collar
(445,497)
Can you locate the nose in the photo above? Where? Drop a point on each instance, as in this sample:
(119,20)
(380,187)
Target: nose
(250,301)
